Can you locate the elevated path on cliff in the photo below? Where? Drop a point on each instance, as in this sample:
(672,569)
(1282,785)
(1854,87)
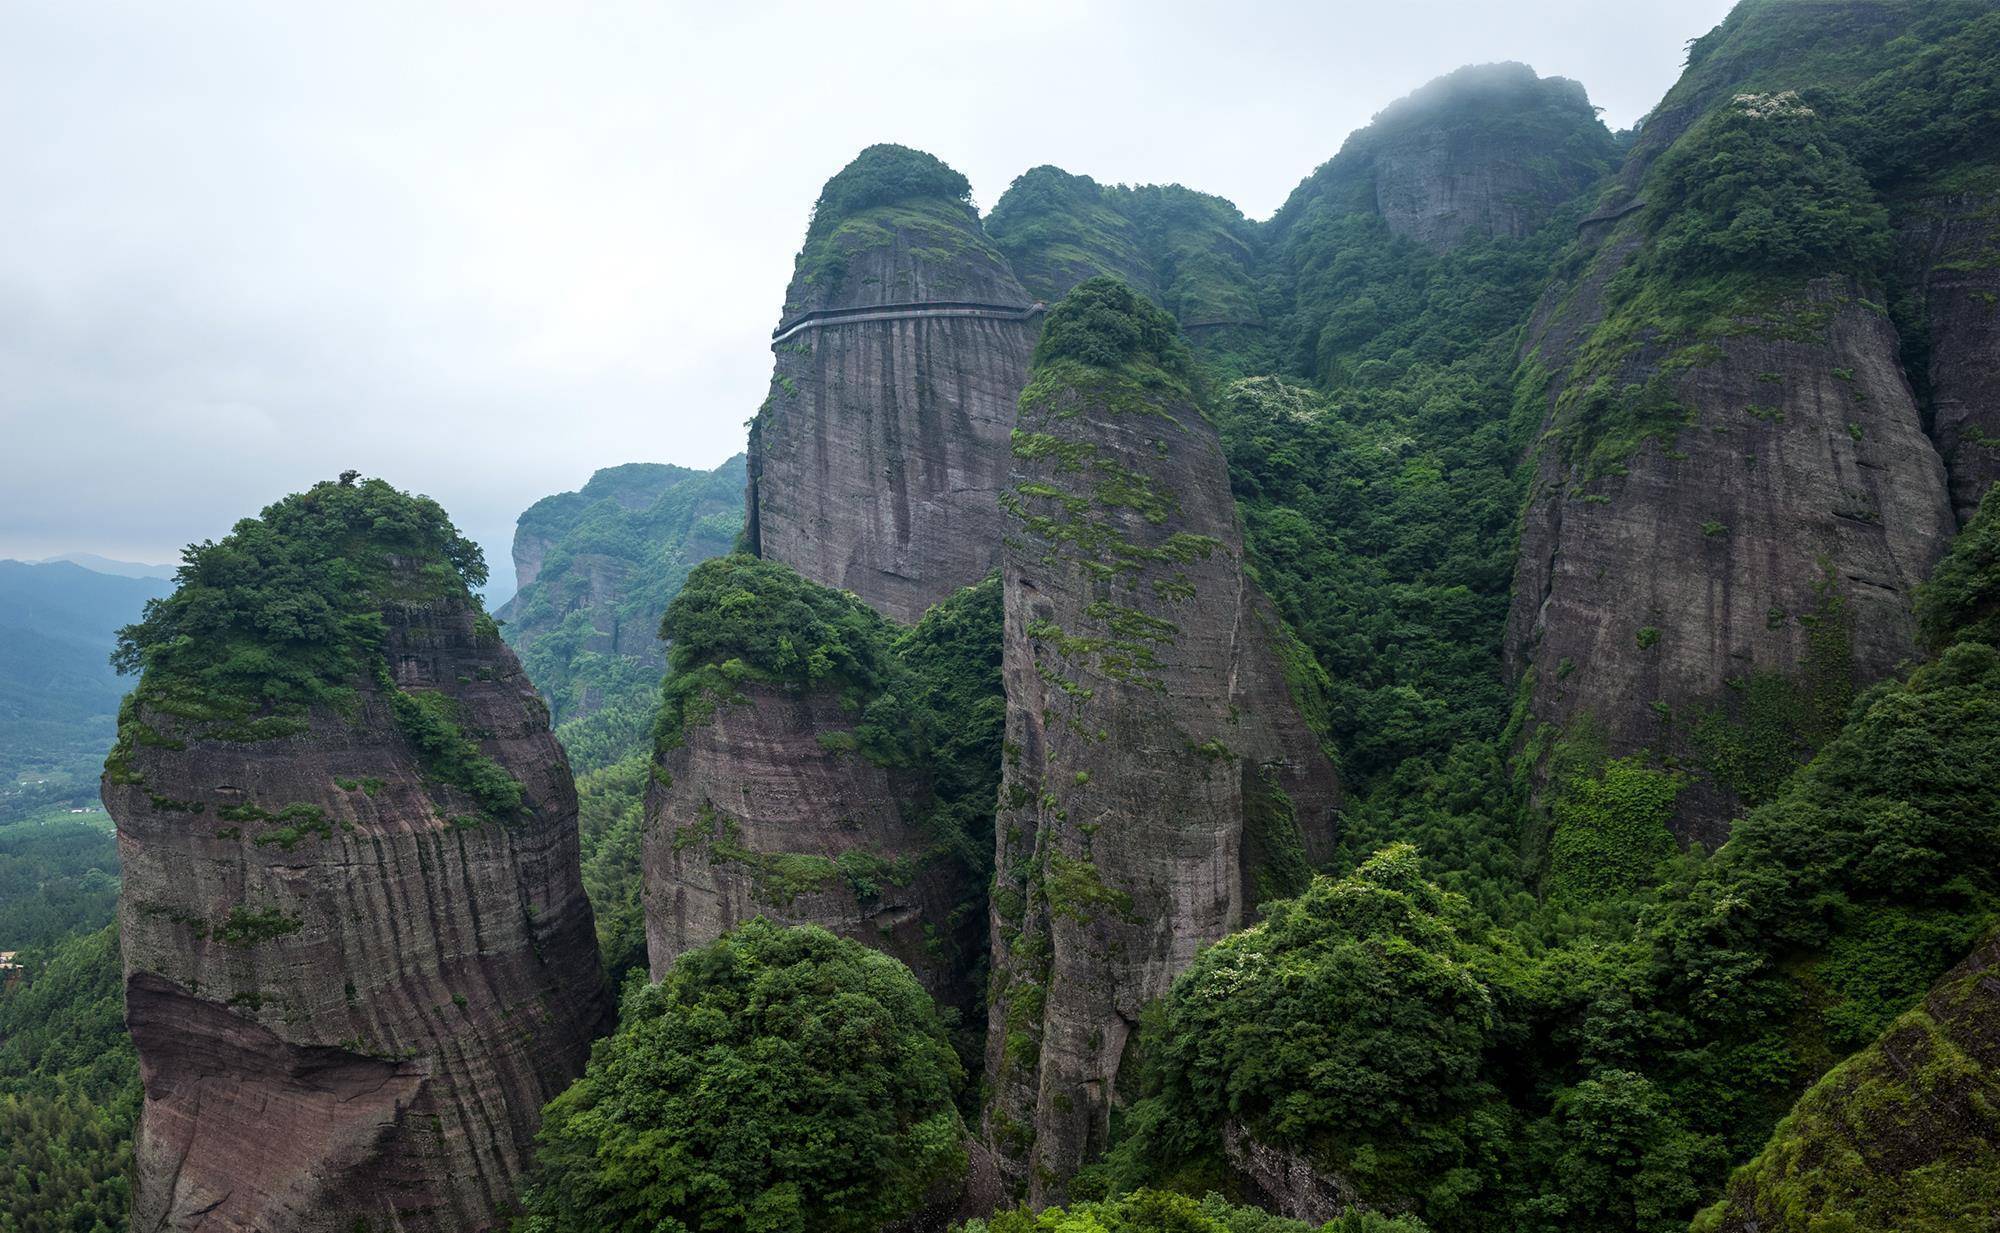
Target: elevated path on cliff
(905,312)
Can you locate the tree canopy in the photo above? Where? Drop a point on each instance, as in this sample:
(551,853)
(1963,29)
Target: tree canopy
(776,1081)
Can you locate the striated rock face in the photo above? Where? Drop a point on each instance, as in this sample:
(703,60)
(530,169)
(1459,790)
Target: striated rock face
(1158,777)
(1951,262)
(1902,1135)
(809,770)
(760,812)
(877,462)
(350,997)
(1735,489)
(1777,528)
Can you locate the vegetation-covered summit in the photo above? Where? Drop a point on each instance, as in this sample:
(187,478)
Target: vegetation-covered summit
(1103,323)
(884,175)
(286,610)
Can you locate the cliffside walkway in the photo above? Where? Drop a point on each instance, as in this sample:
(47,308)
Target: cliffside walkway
(904,312)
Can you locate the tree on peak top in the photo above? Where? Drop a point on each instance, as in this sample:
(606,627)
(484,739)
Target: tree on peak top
(1106,324)
(885,174)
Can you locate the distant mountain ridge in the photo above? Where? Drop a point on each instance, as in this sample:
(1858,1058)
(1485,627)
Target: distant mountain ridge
(106,565)
(58,693)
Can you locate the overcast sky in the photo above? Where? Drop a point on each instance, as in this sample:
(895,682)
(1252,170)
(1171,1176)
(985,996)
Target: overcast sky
(483,249)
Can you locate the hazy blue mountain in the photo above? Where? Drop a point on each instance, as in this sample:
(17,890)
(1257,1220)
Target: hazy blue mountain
(58,694)
(105,565)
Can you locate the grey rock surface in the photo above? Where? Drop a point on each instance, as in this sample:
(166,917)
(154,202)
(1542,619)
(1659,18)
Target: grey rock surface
(877,462)
(1149,731)
(1950,258)
(1781,529)
(749,816)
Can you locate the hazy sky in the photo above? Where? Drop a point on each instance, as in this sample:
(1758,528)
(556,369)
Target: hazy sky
(483,249)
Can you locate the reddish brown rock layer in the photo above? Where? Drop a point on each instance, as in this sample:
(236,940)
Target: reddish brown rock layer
(350,1017)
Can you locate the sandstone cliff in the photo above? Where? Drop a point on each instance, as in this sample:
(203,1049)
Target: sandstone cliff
(1903,1135)
(357,960)
(1487,150)
(877,461)
(1772,530)
(765,810)
(1159,778)
(805,773)
(1733,489)
(1950,265)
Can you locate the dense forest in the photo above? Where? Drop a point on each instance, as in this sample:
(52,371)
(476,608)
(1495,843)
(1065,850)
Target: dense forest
(1480,711)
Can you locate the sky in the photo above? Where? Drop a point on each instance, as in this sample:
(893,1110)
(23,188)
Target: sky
(481,250)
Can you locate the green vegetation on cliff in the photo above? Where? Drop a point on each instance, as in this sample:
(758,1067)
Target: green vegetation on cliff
(743,619)
(884,175)
(608,559)
(1343,1023)
(1160,1211)
(925,700)
(1643,1027)
(1903,1135)
(1194,253)
(778,1080)
(889,195)
(289,611)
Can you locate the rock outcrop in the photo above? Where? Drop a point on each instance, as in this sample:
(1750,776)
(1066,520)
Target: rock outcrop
(1159,777)
(1903,1135)
(1732,499)
(1777,526)
(351,984)
(764,810)
(597,569)
(798,777)
(1950,262)
(877,462)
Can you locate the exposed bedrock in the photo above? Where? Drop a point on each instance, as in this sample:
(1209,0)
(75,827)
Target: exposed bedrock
(1777,528)
(876,463)
(1158,778)
(1950,265)
(761,811)
(350,996)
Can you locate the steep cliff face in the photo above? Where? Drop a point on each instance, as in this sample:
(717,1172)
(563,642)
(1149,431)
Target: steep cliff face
(811,771)
(598,568)
(876,463)
(1159,778)
(358,955)
(1773,528)
(769,809)
(1950,263)
(1734,491)
(1902,1135)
